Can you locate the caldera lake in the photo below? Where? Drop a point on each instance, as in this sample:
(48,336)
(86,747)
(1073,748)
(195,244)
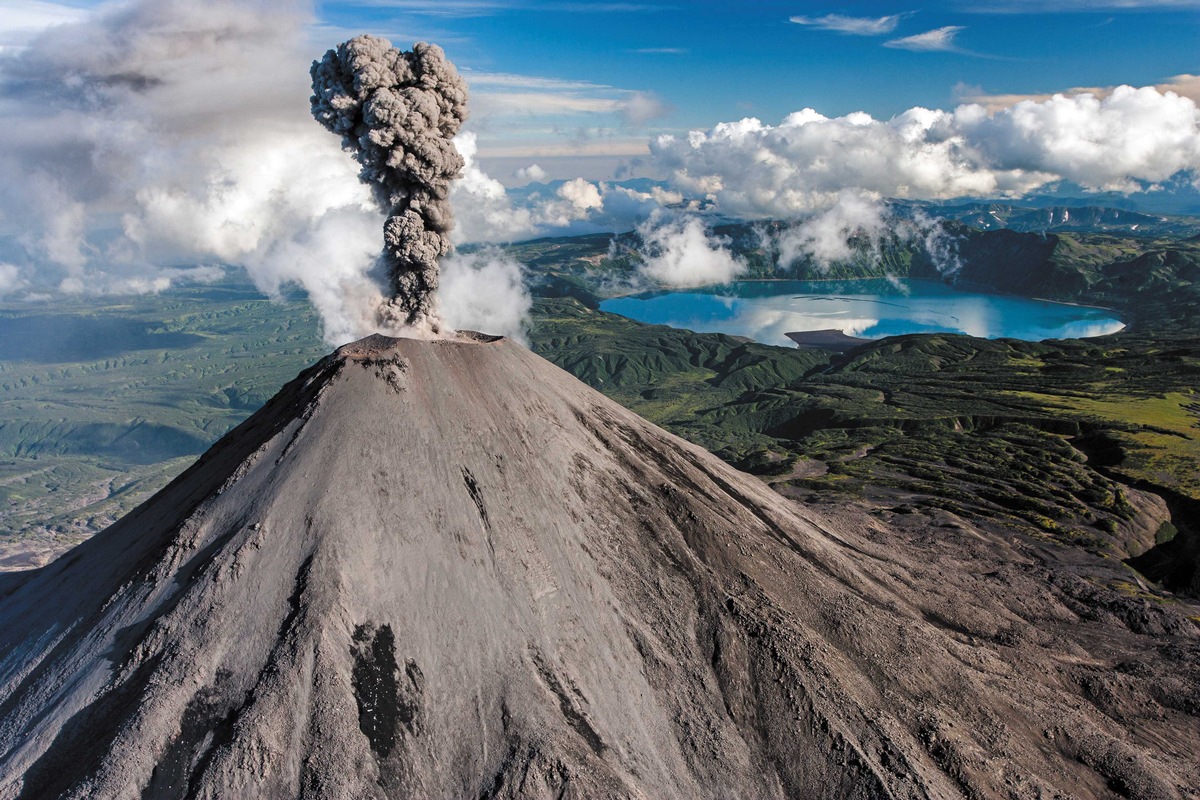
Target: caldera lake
(870,309)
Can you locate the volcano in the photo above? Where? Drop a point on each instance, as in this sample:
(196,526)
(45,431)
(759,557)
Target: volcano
(449,569)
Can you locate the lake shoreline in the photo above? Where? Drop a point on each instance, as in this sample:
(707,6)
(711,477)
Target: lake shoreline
(980,288)
(882,308)
(831,339)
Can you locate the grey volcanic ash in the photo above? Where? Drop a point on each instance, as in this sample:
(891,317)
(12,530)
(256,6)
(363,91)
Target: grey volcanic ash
(398,111)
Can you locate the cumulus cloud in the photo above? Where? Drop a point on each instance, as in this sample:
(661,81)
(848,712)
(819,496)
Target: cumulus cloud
(531,174)
(858,26)
(1105,143)
(581,195)
(680,252)
(1121,142)
(485,291)
(485,213)
(578,206)
(581,206)
(936,40)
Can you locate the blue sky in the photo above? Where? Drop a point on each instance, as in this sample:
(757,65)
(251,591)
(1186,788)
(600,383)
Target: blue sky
(580,86)
(700,63)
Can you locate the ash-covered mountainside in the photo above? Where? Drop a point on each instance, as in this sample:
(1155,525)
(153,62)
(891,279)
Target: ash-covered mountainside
(449,569)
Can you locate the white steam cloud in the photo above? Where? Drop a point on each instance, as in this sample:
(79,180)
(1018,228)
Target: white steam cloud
(485,291)
(165,132)
(680,252)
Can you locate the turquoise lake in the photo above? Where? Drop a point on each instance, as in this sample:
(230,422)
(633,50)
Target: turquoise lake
(871,309)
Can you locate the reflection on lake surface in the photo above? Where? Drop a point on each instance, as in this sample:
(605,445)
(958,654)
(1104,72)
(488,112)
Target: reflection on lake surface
(872,309)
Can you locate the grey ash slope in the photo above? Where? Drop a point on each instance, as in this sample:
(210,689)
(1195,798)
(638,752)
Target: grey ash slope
(448,569)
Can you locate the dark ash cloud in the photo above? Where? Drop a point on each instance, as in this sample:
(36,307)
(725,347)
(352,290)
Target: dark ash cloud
(398,111)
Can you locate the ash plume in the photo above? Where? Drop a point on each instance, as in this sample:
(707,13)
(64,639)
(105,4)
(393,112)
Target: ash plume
(398,112)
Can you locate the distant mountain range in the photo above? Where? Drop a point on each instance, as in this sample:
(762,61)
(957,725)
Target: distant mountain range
(1062,217)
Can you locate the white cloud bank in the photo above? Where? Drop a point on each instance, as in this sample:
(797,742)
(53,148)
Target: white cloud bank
(1184,85)
(1119,142)
(163,132)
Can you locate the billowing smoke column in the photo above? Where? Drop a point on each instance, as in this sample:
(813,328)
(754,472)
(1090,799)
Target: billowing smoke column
(398,112)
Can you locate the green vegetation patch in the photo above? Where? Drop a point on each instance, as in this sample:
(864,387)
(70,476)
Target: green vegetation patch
(102,403)
(1159,436)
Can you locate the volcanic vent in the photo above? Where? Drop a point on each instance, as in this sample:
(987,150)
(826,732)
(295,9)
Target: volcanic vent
(448,569)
